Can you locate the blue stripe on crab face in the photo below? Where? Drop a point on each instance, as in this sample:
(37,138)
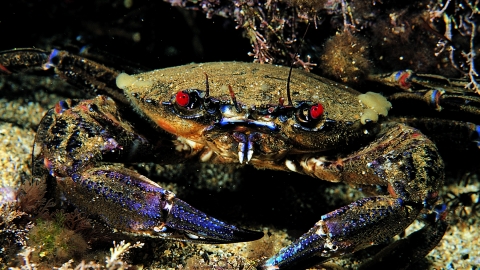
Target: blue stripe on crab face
(248,122)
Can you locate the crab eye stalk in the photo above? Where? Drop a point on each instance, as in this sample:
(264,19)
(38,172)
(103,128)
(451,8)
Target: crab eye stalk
(316,111)
(182,99)
(308,115)
(189,100)
(192,103)
(211,105)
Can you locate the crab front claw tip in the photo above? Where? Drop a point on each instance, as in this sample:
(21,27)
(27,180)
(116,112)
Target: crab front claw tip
(301,254)
(193,225)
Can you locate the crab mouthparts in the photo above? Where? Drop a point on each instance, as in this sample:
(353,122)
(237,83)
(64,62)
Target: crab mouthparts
(245,145)
(244,137)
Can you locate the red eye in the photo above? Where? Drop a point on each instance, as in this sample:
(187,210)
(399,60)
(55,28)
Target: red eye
(316,111)
(182,99)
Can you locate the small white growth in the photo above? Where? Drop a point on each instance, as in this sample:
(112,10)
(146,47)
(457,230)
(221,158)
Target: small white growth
(369,114)
(146,84)
(123,80)
(376,105)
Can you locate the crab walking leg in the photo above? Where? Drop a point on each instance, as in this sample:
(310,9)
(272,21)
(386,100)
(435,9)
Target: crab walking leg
(353,227)
(401,159)
(80,145)
(447,134)
(76,70)
(403,252)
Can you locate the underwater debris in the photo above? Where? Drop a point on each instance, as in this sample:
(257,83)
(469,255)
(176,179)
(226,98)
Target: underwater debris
(345,57)
(443,33)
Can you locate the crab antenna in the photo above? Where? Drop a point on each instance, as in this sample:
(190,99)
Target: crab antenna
(207,87)
(289,98)
(234,99)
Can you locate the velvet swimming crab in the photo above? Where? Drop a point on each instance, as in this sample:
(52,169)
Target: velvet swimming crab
(239,113)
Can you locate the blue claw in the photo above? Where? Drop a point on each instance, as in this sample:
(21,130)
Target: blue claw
(350,228)
(133,204)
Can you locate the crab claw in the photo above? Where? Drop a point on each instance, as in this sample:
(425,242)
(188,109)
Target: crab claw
(189,224)
(358,225)
(133,204)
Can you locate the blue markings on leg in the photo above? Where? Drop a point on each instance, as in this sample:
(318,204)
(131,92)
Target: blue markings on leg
(303,248)
(53,59)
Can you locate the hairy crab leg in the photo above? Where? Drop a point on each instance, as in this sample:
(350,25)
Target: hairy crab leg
(17,60)
(401,159)
(447,134)
(81,144)
(403,252)
(76,70)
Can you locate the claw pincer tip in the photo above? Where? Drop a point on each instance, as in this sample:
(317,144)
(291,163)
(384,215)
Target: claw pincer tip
(200,227)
